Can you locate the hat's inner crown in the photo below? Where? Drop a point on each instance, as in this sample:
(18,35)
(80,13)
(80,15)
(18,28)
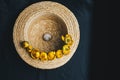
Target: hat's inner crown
(45,32)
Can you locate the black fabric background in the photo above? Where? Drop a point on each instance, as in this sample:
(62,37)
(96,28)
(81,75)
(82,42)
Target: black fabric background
(88,61)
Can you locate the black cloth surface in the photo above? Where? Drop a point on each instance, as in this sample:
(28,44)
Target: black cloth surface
(12,67)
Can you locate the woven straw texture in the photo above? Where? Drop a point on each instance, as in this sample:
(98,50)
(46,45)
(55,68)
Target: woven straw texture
(41,18)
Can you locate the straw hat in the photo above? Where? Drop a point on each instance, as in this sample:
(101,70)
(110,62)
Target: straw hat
(52,19)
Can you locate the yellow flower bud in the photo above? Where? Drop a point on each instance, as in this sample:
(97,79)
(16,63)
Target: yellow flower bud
(29,48)
(66,49)
(67,35)
(62,37)
(59,53)
(43,56)
(51,55)
(25,44)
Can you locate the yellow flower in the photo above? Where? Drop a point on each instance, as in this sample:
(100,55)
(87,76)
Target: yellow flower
(35,54)
(25,44)
(29,48)
(43,56)
(59,53)
(66,49)
(51,55)
(67,39)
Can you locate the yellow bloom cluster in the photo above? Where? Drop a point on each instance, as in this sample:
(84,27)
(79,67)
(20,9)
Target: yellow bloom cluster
(43,56)
(68,42)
